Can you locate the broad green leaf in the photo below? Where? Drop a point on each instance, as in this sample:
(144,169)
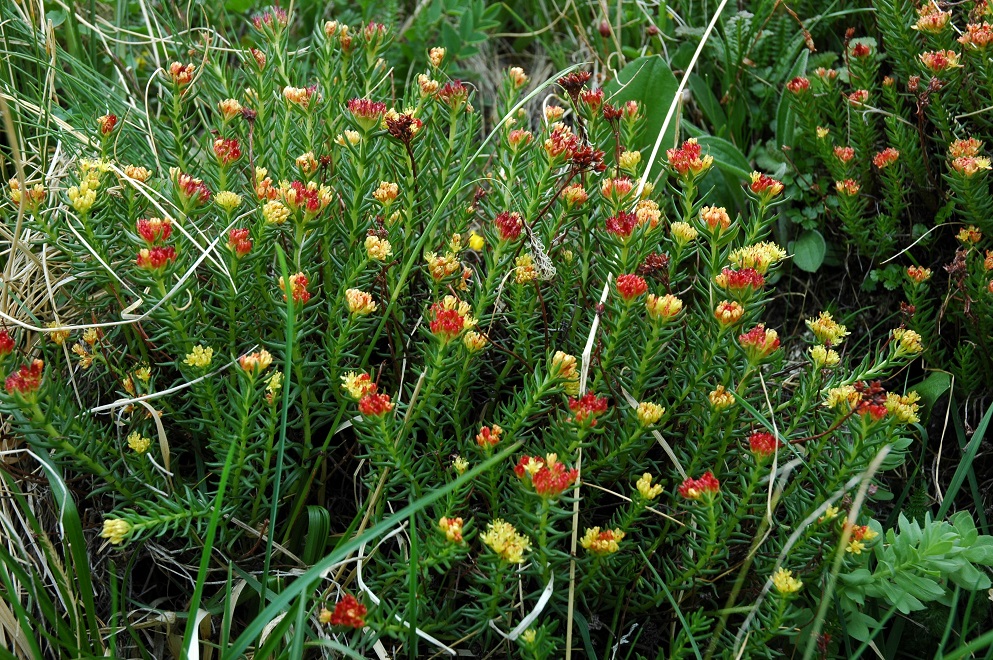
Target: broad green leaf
(932,387)
(809,250)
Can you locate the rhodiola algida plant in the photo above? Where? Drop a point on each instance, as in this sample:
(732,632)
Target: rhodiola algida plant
(434,376)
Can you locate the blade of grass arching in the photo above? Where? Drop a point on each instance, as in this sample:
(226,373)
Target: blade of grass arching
(964,470)
(25,622)
(72,527)
(675,605)
(208,547)
(301,587)
(984,641)
(412,583)
(281,444)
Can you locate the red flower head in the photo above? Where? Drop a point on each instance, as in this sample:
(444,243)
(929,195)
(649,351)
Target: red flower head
(705,486)
(190,189)
(861,50)
(622,224)
(518,138)
(239,242)
(844,154)
(156,258)
(449,318)
(403,127)
(611,112)
(885,158)
(872,401)
(508,225)
(454,94)
(6,343)
(765,187)
(298,285)
(744,281)
(859,97)
(26,380)
(561,143)
(759,343)
(182,75)
(798,86)
(573,83)
(227,150)
(375,405)
(631,286)
(763,444)
(687,162)
(587,408)
(489,436)
(592,98)
(349,613)
(106,123)
(153,230)
(367,112)
(549,477)
(585,158)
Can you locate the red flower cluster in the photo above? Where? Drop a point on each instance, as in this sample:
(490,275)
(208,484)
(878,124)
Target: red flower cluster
(549,479)
(454,94)
(694,489)
(446,324)
(6,343)
(298,286)
(593,98)
(489,436)
(271,17)
(759,343)
(622,224)
(746,280)
(765,186)
(227,150)
(573,83)
(106,123)
(181,74)
(631,286)
(872,400)
(562,142)
(509,225)
(763,444)
(886,157)
(375,405)
(27,379)
(611,112)
(153,230)
(367,112)
(798,85)
(687,159)
(156,258)
(861,50)
(306,197)
(239,241)
(403,127)
(585,157)
(349,613)
(191,189)
(587,407)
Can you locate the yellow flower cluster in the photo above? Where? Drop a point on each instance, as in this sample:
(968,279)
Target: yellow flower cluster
(474,341)
(827,330)
(683,233)
(720,398)
(759,256)
(564,367)
(386,193)
(228,200)
(200,357)
(138,443)
(360,303)
(524,270)
(663,307)
(255,362)
(823,357)
(115,530)
(602,543)
(845,396)
(785,583)
(907,342)
(629,161)
(649,413)
(904,408)
(275,212)
(452,527)
(504,540)
(378,249)
(646,489)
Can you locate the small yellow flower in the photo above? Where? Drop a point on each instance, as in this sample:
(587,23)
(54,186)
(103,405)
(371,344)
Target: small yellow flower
(855,547)
(273,385)
(360,303)
(255,362)
(386,193)
(85,357)
(91,336)
(683,233)
(564,368)
(275,212)
(324,616)
(629,160)
(115,529)
(517,77)
(524,270)
(720,398)
(58,336)
(646,489)
(476,242)
(528,636)
(357,384)
(474,341)
(143,373)
(460,464)
(452,527)
(200,357)
(785,583)
(759,256)
(827,330)
(846,397)
(436,56)
(349,137)
(505,541)
(823,357)
(137,173)
(969,235)
(822,132)
(649,413)
(663,308)
(82,197)
(138,443)
(377,249)
(829,514)
(229,108)
(601,543)
(904,408)
(907,342)
(228,200)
